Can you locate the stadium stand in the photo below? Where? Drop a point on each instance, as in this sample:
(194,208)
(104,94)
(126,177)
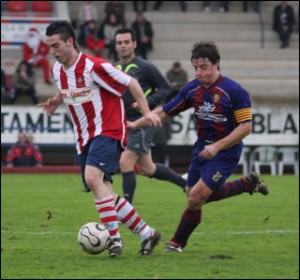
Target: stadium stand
(263,156)
(244,161)
(269,73)
(41,6)
(288,156)
(16,6)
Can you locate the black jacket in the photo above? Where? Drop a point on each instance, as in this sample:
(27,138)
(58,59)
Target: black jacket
(288,20)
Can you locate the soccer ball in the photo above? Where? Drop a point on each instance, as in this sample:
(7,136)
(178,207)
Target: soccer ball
(93,238)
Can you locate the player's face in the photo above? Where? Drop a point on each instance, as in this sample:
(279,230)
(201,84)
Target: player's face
(22,138)
(124,45)
(59,49)
(206,72)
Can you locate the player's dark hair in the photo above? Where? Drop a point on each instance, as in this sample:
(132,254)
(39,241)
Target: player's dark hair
(126,30)
(64,29)
(205,49)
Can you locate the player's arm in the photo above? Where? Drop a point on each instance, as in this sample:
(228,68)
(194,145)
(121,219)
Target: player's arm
(160,83)
(137,93)
(143,122)
(238,134)
(51,104)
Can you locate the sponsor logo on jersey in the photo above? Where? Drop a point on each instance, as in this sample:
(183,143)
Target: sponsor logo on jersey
(76,96)
(205,112)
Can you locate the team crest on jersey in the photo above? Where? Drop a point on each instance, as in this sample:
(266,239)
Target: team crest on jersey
(216,97)
(80,81)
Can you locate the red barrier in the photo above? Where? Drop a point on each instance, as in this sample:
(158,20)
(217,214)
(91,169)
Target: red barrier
(54,169)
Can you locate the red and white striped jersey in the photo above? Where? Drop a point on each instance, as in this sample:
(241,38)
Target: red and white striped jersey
(92,91)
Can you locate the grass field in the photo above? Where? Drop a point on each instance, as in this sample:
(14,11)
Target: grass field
(245,237)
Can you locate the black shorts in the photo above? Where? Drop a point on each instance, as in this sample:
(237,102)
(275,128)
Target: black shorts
(140,140)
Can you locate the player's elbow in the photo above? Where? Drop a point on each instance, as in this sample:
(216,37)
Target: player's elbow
(247,128)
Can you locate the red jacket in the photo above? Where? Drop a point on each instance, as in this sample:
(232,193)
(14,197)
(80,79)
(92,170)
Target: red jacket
(42,51)
(24,155)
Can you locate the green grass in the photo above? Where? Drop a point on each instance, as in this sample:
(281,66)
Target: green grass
(257,236)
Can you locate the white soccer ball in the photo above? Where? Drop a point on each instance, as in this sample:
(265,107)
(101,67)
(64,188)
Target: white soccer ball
(93,238)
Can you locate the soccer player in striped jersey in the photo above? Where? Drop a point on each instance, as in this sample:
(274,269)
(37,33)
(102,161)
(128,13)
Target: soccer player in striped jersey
(156,88)
(92,90)
(223,116)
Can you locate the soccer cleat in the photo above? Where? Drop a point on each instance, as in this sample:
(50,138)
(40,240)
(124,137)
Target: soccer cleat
(115,247)
(149,244)
(172,247)
(257,184)
(184,176)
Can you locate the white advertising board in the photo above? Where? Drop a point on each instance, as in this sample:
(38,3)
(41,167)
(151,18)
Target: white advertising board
(276,125)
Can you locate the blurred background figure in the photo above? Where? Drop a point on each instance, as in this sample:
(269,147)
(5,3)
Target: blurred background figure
(157,5)
(35,51)
(283,22)
(23,153)
(137,4)
(223,6)
(254,4)
(87,12)
(108,28)
(144,34)
(118,8)
(24,83)
(177,77)
(89,37)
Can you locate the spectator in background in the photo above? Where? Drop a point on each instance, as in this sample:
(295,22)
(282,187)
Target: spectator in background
(177,77)
(283,22)
(144,35)
(35,51)
(254,4)
(24,82)
(223,6)
(87,12)
(158,4)
(136,6)
(23,153)
(89,38)
(118,8)
(109,27)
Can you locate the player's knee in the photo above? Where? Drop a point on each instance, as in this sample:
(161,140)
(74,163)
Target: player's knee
(143,171)
(90,180)
(123,163)
(195,202)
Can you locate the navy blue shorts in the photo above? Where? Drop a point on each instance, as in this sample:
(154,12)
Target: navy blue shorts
(101,152)
(216,171)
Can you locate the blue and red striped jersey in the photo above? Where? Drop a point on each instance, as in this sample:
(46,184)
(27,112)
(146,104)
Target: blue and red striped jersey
(217,109)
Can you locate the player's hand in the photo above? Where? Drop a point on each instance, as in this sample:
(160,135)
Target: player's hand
(49,106)
(209,151)
(153,119)
(130,125)
(135,106)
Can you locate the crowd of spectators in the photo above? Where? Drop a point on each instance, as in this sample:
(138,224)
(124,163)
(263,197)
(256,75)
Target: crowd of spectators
(97,35)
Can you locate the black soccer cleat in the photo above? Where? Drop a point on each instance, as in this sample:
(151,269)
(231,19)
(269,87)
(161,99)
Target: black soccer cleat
(115,247)
(149,244)
(257,184)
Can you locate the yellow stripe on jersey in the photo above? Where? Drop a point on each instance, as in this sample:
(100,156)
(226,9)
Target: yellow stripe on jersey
(243,115)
